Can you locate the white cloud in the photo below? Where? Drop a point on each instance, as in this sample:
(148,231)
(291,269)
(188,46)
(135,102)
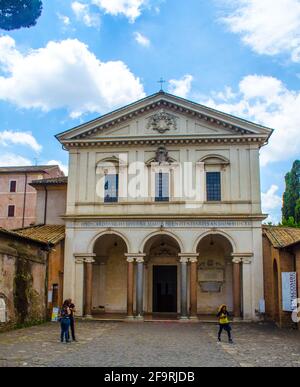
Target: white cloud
(62,166)
(132,9)
(67,75)
(181,87)
(64,19)
(13,160)
(267,101)
(270,199)
(141,39)
(269,27)
(272,204)
(83,13)
(9,137)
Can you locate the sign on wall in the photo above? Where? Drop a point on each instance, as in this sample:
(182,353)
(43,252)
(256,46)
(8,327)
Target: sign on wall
(289,291)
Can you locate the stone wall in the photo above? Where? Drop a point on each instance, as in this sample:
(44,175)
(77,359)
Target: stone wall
(23,268)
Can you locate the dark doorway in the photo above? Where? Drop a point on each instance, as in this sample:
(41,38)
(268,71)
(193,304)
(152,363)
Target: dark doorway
(164,289)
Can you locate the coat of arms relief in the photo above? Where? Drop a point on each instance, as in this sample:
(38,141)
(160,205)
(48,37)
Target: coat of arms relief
(162,122)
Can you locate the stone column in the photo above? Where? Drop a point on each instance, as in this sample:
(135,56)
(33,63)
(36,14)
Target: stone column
(249,305)
(183,275)
(236,285)
(88,286)
(130,281)
(140,287)
(79,288)
(193,287)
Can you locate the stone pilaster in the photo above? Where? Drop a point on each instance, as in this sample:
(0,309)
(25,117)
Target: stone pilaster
(89,285)
(236,287)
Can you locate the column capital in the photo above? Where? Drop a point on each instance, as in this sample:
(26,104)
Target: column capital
(245,258)
(84,257)
(184,260)
(89,260)
(188,257)
(138,257)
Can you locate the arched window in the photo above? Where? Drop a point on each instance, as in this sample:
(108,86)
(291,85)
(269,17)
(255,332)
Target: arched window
(3,318)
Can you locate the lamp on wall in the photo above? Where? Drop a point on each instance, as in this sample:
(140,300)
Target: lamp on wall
(211,240)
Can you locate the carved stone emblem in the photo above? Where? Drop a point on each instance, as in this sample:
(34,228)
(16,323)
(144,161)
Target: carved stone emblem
(162,122)
(162,155)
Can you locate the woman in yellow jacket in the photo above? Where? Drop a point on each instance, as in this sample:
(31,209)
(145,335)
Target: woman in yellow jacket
(223,317)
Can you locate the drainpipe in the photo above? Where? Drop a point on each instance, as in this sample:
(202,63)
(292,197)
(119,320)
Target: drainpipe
(24,203)
(46,205)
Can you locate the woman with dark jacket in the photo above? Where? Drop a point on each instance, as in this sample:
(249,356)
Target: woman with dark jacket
(65,321)
(72,319)
(223,317)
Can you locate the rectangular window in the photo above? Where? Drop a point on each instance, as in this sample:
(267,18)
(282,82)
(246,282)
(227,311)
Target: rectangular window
(13,186)
(162,191)
(213,186)
(11,211)
(111,188)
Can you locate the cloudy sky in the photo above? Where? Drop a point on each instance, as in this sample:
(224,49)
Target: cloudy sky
(87,57)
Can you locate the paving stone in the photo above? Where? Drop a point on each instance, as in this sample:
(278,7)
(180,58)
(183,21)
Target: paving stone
(150,345)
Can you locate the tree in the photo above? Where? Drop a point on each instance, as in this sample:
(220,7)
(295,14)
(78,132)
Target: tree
(291,197)
(15,14)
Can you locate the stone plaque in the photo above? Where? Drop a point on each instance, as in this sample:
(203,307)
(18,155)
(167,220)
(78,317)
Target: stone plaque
(211,275)
(211,287)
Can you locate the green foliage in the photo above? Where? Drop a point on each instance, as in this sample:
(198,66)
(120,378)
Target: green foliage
(15,14)
(290,222)
(23,284)
(291,197)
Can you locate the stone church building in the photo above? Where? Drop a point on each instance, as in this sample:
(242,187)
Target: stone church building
(164,212)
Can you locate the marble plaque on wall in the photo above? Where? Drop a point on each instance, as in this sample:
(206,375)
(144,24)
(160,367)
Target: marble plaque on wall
(214,275)
(211,287)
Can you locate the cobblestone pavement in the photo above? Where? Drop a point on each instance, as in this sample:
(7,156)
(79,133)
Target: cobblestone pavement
(150,344)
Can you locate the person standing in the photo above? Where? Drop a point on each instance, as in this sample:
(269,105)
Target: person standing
(72,319)
(223,317)
(65,322)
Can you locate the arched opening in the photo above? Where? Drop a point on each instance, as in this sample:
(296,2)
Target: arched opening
(3,312)
(215,274)
(162,275)
(109,287)
(276,291)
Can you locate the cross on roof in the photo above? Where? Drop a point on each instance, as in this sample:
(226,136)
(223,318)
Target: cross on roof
(161,81)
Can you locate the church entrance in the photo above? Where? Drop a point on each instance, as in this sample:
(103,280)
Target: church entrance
(164,289)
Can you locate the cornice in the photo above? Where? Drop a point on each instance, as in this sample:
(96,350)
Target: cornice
(174,140)
(254,217)
(209,116)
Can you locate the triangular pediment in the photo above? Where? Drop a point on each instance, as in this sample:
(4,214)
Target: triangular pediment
(164,116)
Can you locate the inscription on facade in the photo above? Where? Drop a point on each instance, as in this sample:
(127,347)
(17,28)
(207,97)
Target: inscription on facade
(166,224)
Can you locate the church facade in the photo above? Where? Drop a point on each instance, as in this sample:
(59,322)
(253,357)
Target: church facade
(164,212)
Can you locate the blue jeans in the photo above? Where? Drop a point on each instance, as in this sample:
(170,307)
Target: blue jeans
(65,326)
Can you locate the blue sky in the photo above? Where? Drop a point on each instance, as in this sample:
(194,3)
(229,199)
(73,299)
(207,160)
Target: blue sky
(87,57)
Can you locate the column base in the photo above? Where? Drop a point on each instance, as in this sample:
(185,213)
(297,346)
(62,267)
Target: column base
(129,318)
(194,318)
(139,318)
(88,317)
(183,319)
